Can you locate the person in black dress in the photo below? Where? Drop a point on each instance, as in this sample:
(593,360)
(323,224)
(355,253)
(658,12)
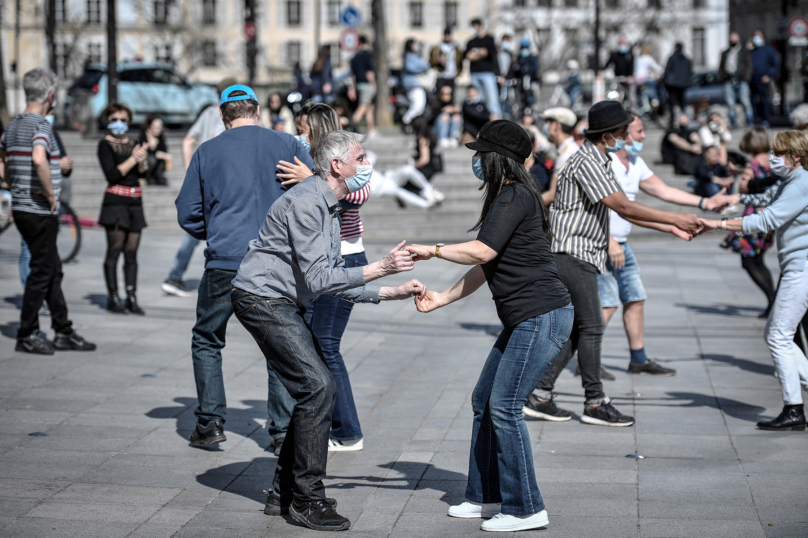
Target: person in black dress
(158,159)
(122,210)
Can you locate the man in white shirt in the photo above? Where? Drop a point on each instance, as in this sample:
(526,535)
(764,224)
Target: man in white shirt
(621,284)
(559,123)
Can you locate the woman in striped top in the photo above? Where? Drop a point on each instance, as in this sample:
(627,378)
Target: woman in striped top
(328,316)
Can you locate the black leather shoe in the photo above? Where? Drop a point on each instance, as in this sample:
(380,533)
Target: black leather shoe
(318,515)
(545,409)
(72,340)
(114,305)
(35,343)
(791,418)
(605,414)
(132,306)
(650,367)
(279,506)
(210,434)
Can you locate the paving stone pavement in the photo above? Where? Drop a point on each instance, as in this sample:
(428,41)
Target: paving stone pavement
(116,461)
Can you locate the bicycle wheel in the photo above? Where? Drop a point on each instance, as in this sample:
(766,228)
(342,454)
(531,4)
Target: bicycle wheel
(69,238)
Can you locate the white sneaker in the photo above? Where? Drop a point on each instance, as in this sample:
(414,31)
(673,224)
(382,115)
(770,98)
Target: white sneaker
(335,445)
(503,523)
(436,195)
(453,143)
(472,510)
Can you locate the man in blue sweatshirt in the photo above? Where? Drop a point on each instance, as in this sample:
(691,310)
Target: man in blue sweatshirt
(228,189)
(765,65)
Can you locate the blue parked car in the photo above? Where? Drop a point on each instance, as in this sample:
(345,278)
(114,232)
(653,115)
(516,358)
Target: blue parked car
(706,84)
(146,88)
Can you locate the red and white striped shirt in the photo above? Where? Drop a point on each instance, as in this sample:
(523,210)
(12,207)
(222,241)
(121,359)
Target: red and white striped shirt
(351,223)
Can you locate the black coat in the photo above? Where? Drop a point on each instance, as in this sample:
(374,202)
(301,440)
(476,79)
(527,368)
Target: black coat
(744,66)
(679,71)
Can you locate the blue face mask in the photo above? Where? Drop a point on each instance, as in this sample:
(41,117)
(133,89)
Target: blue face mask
(545,129)
(361,178)
(524,53)
(506,46)
(757,41)
(623,49)
(618,145)
(302,140)
(50,118)
(477,168)
(118,128)
(634,149)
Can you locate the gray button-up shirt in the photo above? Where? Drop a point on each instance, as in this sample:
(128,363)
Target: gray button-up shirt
(297,252)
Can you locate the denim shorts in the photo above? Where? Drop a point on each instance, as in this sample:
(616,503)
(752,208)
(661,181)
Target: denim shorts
(622,285)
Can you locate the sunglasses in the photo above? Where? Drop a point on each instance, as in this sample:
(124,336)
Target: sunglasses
(113,118)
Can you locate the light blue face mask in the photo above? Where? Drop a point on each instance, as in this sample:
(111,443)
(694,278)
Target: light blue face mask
(624,49)
(302,140)
(634,149)
(524,53)
(757,41)
(361,178)
(118,128)
(618,145)
(545,129)
(50,118)
(477,168)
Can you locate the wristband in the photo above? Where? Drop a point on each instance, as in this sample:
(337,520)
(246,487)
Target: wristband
(437,250)
(723,224)
(701,202)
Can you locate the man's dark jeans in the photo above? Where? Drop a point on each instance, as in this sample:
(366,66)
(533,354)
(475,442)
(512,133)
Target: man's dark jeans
(213,310)
(581,279)
(761,101)
(45,281)
(328,317)
(291,348)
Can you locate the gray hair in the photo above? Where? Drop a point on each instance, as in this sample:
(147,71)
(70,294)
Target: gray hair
(333,145)
(39,84)
(799,116)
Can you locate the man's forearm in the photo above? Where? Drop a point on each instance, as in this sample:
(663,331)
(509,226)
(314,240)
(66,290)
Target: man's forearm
(653,225)
(640,212)
(43,172)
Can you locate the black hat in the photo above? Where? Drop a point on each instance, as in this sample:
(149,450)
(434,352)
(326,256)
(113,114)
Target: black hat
(504,137)
(607,116)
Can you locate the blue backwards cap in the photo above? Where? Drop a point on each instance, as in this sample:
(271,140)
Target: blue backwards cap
(238,87)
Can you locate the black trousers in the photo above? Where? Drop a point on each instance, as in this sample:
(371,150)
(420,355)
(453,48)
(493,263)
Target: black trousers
(45,281)
(676,98)
(761,100)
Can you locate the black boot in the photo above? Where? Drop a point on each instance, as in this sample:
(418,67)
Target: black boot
(113,303)
(131,304)
(792,418)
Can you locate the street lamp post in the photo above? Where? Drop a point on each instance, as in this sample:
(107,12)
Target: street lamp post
(112,53)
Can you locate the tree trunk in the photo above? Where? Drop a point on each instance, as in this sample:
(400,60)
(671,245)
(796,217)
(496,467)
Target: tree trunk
(3,103)
(112,53)
(383,116)
(50,32)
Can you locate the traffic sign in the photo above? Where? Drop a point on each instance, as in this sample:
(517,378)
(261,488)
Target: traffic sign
(798,27)
(349,40)
(351,17)
(249,30)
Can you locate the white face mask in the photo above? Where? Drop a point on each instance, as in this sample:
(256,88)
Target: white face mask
(778,165)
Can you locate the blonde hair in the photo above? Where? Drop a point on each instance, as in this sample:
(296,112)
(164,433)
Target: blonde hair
(647,49)
(794,143)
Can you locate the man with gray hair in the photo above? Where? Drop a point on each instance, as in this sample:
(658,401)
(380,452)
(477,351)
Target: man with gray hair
(29,161)
(799,117)
(295,258)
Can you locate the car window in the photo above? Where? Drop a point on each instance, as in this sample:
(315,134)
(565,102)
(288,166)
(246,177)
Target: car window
(164,76)
(87,80)
(134,75)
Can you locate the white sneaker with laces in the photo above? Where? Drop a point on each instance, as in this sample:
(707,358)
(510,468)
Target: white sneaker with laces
(503,523)
(335,445)
(474,510)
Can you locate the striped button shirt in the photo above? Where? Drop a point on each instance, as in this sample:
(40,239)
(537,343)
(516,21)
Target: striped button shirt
(18,141)
(297,252)
(580,222)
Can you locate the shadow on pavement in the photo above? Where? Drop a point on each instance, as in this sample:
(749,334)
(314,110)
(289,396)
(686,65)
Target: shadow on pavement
(492,329)
(722,309)
(743,364)
(733,408)
(15,300)
(97,299)
(9,330)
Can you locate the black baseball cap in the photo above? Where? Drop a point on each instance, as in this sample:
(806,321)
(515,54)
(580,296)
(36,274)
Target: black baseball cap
(504,137)
(607,116)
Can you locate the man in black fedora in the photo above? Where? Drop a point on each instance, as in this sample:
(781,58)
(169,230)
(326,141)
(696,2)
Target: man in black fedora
(587,189)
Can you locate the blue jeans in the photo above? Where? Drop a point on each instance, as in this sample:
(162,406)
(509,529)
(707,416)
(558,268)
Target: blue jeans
(291,350)
(486,84)
(328,316)
(447,126)
(213,310)
(501,457)
(739,92)
(622,285)
(763,92)
(25,262)
(183,258)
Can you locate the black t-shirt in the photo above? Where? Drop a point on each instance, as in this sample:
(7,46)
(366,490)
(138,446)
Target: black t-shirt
(361,63)
(487,64)
(523,277)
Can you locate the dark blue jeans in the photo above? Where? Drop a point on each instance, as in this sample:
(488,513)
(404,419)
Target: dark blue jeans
(501,458)
(328,316)
(292,351)
(213,310)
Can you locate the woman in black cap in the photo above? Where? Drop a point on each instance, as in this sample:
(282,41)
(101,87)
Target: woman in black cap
(512,254)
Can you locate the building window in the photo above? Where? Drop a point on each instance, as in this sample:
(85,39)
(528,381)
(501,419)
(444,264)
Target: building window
(94,53)
(61,11)
(62,59)
(163,54)
(572,43)
(334,13)
(519,3)
(208,12)
(209,53)
(293,13)
(416,14)
(698,46)
(93,11)
(698,4)
(612,4)
(160,11)
(654,4)
(544,3)
(292,53)
(450,14)
(336,55)
(570,3)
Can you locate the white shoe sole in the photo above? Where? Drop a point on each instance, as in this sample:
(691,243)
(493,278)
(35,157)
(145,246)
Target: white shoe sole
(171,290)
(474,515)
(525,525)
(598,422)
(346,448)
(536,414)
